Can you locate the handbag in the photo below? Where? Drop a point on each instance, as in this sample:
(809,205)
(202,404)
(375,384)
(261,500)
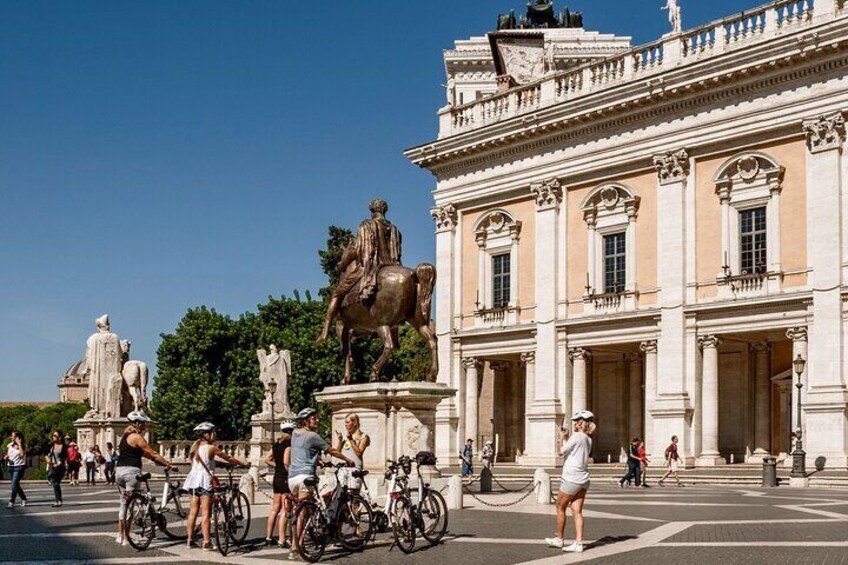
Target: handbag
(216,482)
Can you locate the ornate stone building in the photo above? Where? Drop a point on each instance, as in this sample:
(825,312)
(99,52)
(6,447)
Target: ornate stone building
(652,233)
(73,386)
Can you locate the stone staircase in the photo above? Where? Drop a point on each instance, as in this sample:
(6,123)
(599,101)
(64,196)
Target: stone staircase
(739,475)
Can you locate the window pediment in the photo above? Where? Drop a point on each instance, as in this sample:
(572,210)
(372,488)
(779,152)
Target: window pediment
(747,176)
(607,201)
(496,224)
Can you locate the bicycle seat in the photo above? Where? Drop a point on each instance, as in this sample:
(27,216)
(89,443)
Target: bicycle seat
(144,477)
(359,474)
(311,481)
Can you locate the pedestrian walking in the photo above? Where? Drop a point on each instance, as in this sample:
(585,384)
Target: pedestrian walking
(643,463)
(634,465)
(467,457)
(279,458)
(16,460)
(57,459)
(90,460)
(575,446)
(110,458)
(671,459)
(200,479)
(488,455)
(74,463)
(133,448)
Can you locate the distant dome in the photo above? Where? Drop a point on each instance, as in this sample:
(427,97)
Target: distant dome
(76,371)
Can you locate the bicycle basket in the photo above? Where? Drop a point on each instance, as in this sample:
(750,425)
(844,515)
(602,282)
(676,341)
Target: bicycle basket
(425,458)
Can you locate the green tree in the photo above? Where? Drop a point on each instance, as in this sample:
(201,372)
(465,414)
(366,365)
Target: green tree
(331,256)
(37,423)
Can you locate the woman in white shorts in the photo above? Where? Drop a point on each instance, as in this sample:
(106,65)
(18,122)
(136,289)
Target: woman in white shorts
(576,446)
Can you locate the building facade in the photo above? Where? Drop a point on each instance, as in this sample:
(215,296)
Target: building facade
(73,385)
(652,233)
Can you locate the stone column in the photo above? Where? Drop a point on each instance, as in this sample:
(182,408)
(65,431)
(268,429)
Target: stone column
(709,402)
(471,365)
(798,335)
(672,408)
(447,415)
(762,400)
(649,348)
(580,394)
(825,395)
(635,424)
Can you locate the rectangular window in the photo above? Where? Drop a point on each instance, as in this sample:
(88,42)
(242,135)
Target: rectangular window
(615,262)
(752,241)
(500,280)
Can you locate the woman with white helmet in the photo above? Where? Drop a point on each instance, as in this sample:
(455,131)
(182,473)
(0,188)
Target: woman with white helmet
(576,447)
(279,458)
(199,481)
(132,448)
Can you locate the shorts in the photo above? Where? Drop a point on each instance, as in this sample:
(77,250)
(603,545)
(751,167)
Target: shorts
(569,488)
(281,484)
(125,479)
(296,485)
(672,464)
(199,491)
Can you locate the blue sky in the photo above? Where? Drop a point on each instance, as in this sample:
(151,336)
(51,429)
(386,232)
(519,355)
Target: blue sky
(156,156)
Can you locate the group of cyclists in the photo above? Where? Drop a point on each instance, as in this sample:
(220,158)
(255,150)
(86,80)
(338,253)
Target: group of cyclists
(294,456)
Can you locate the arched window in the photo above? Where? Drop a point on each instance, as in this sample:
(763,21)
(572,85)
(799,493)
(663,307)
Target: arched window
(748,187)
(497,233)
(610,211)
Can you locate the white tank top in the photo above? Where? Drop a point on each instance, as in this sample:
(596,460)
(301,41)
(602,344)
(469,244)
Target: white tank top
(198,477)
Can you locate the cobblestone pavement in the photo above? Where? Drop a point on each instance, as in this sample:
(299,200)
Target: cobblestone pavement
(658,525)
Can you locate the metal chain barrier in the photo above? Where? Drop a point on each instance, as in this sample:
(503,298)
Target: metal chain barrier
(502,504)
(500,484)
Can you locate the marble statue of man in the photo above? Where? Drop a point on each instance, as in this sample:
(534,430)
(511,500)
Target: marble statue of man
(674,18)
(103,359)
(275,365)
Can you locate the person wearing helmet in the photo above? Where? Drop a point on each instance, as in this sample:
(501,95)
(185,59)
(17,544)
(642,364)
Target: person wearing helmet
(132,448)
(199,481)
(277,458)
(575,446)
(306,447)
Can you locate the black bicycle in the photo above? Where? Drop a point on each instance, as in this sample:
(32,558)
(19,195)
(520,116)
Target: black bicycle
(230,512)
(144,517)
(429,516)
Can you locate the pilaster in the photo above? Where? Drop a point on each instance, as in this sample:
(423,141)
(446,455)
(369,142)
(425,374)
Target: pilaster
(710,455)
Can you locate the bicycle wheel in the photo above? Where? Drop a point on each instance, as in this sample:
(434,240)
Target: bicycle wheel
(433,517)
(239,518)
(311,531)
(175,514)
(403,524)
(140,525)
(354,523)
(220,517)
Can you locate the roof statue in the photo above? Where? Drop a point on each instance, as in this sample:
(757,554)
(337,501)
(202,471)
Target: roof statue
(540,15)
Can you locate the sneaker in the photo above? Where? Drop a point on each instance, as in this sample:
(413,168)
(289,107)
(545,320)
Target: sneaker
(125,542)
(23,503)
(575,547)
(269,542)
(293,555)
(661,483)
(119,540)
(190,544)
(209,546)
(10,505)
(554,542)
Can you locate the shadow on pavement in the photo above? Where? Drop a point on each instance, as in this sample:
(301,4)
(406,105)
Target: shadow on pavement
(609,540)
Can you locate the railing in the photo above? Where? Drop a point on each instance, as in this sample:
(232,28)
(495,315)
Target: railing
(177,451)
(745,283)
(714,38)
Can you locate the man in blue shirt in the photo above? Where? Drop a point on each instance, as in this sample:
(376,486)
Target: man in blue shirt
(467,456)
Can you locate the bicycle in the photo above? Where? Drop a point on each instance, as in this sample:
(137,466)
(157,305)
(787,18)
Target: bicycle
(346,520)
(144,517)
(230,512)
(429,515)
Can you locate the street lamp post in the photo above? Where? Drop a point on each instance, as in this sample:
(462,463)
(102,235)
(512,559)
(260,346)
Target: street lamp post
(798,455)
(272,388)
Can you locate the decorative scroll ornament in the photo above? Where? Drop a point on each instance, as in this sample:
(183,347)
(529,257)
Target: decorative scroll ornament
(825,132)
(798,333)
(471,363)
(709,341)
(672,166)
(548,194)
(444,216)
(649,346)
(579,353)
(528,357)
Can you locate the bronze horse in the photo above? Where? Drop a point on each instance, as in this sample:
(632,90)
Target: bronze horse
(403,295)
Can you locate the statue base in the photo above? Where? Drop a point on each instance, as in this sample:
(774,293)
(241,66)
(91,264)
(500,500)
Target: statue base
(260,442)
(399,417)
(100,431)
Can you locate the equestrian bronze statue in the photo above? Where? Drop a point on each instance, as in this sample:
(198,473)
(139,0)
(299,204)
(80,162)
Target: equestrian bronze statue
(376,294)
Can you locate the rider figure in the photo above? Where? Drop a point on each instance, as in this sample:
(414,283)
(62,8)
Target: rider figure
(377,244)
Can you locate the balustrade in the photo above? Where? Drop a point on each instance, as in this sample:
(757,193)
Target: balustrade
(714,38)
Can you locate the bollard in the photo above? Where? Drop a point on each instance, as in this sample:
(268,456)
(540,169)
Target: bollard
(485,480)
(542,480)
(769,472)
(248,487)
(454,499)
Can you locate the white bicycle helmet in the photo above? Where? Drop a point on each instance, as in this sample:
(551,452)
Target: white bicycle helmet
(204,427)
(137,416)
(288,425)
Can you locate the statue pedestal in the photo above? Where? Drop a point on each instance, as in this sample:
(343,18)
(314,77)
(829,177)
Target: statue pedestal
(399,417)
(260,442)
(99,431)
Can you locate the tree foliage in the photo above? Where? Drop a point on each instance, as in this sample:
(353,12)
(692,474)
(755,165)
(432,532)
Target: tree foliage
(37,423)
(208,370)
